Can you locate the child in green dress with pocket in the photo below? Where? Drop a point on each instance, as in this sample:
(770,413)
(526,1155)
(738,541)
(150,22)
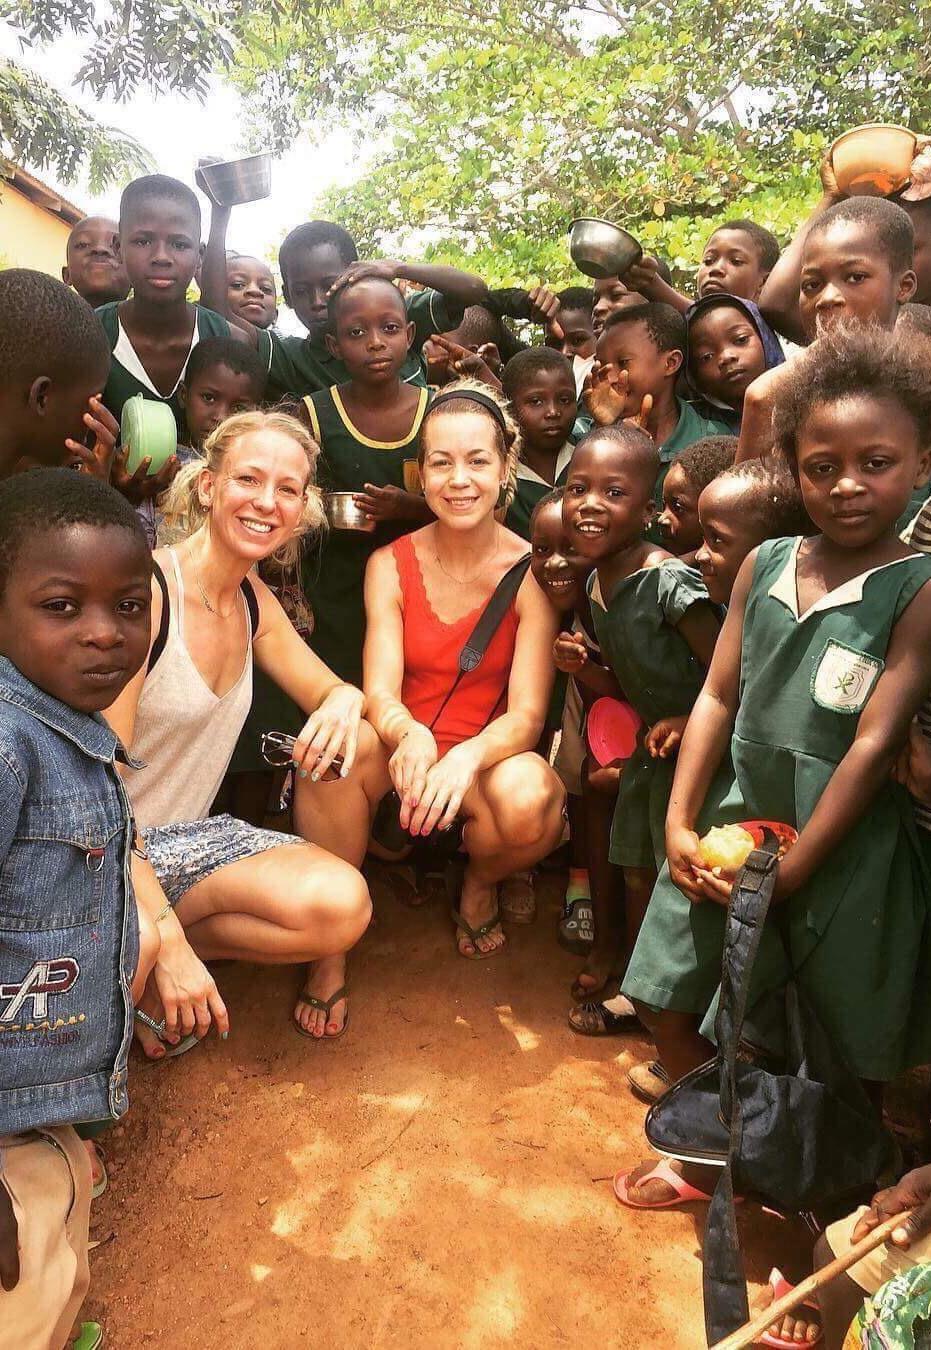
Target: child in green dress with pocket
(368,430)
(656,628)
(823,661)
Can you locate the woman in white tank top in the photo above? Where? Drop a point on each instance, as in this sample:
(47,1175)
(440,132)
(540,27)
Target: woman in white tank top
(220,888)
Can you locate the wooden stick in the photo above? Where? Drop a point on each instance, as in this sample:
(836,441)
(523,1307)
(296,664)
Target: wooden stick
(763,1320)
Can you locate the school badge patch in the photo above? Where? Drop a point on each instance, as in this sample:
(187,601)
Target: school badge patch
(843,678)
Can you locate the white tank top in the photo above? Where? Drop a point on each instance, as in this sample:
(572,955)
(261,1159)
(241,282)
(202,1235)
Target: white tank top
(185,734)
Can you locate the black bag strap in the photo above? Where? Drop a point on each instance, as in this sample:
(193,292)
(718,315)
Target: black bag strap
(724,1285)
(746,916)
(489,622)
(161,637)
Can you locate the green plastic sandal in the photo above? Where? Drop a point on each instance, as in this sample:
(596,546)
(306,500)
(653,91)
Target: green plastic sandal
(90,1338)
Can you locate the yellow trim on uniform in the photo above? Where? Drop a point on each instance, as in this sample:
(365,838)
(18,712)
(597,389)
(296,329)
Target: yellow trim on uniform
(312,414)
(380,445)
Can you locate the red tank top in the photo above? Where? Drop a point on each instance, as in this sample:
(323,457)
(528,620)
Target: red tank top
(431,659)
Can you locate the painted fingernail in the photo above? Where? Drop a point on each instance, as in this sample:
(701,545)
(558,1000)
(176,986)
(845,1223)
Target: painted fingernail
(314,776)
(224,1035)
(303,773)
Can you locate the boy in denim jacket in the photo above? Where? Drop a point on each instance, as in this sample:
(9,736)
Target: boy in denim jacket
(75,578)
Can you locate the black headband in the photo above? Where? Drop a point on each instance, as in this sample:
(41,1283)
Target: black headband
(473,396)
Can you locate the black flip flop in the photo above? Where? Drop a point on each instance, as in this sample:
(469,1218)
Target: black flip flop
(324,1006)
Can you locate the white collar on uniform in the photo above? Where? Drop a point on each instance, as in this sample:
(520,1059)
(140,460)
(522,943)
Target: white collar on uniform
(529,475)
(126,354)
(785,587)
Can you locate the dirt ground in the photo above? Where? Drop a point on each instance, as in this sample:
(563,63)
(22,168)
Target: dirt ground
(440,1177)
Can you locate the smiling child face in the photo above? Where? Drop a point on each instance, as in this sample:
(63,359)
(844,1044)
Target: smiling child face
(558,569)
(608,498)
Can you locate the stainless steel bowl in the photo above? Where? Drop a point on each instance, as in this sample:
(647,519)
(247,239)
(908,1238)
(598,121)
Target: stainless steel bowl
(343,514)
(600,249)
(235,181)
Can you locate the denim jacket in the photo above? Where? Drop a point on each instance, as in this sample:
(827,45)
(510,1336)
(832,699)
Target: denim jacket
(69,933)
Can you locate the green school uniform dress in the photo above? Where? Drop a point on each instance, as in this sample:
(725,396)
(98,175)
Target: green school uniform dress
(858,933)
(128,376)
(660,677)
(531,488)
(303,365)
(333,568)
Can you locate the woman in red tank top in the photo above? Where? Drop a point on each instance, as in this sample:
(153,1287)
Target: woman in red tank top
(471,759)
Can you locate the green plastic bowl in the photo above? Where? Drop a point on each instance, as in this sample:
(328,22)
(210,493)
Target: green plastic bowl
(148,429)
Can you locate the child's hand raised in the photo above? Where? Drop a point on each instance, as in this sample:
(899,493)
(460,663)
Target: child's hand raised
(569,653)
(664,737)
(139,486)
(642,276)
(829,179)
(388,503)
(544,305)
(465,362)
(604,393)
(96,458)
(489,353)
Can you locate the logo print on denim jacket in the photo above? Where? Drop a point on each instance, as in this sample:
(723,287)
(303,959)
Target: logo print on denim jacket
(45,978)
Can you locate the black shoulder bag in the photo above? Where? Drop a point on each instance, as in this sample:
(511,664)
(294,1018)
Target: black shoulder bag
(387,829)
(801,1140)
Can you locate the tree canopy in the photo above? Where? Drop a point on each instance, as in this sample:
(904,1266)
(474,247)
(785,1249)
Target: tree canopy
(494,125)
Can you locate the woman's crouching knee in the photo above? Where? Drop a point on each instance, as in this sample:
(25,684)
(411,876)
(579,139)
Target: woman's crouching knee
(334,906)
(529,813)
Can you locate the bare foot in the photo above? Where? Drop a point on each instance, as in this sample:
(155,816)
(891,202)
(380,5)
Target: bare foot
(599,969)
(802,1327)
(477,904)
(323,979)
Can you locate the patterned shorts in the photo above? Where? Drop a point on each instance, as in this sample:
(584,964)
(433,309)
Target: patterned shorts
(190,851)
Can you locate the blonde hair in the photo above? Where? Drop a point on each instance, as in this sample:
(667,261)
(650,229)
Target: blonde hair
(507,439)
(185,512)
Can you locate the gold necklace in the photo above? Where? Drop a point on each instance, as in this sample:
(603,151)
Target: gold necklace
(465,581)
(203,594)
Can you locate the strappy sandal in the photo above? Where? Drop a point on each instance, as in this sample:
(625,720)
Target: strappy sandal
(171,1051)
(465,930)
(90,1337)
(324,1006)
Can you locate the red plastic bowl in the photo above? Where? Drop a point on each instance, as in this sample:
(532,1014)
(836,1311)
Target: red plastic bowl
(786,834)
(612,729)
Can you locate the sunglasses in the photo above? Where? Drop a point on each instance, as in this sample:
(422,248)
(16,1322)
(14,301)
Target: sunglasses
(278,750)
